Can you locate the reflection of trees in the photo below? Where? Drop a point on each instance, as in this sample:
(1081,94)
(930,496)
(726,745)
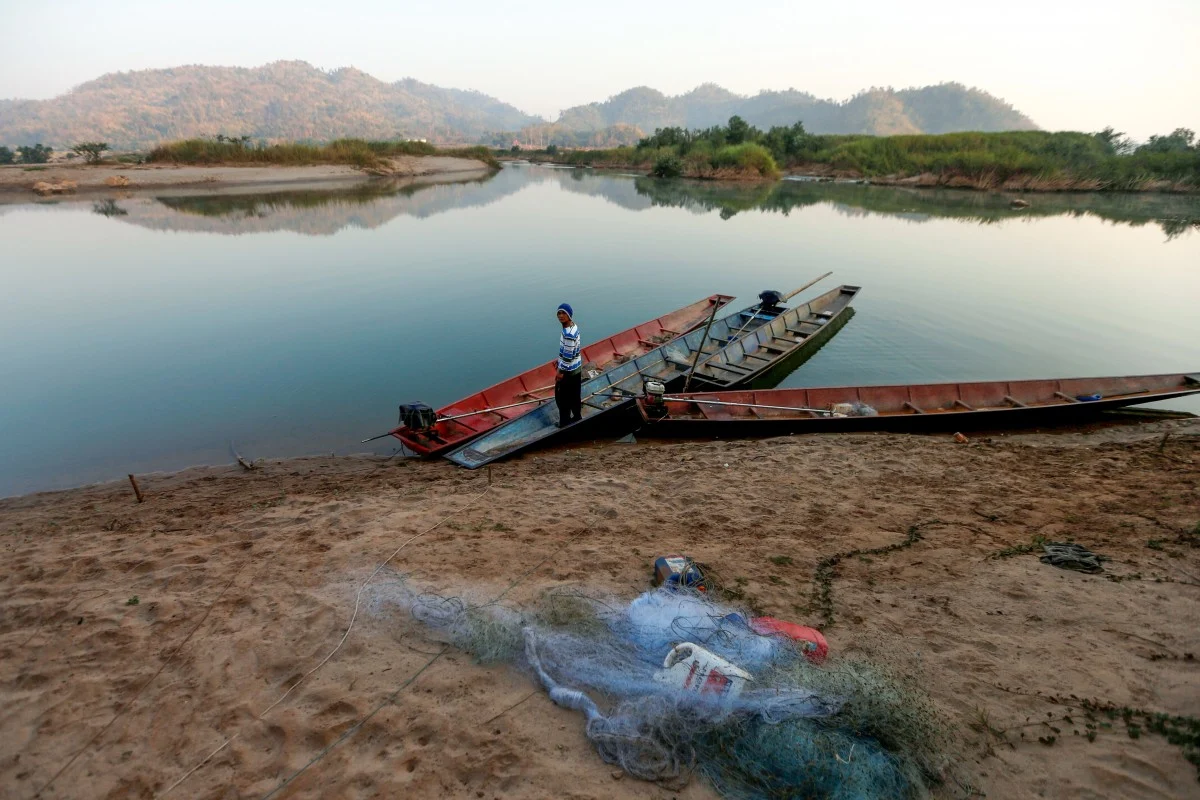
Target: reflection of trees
(324,211)
(320,211)
(108,208)
(262,205)
(1175,214)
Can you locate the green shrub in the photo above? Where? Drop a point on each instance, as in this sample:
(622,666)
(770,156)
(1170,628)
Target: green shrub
(668,166)
(748,156)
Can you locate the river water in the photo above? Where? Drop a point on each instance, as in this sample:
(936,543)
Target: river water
(147,332)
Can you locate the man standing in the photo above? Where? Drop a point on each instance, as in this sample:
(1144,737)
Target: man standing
(569,378)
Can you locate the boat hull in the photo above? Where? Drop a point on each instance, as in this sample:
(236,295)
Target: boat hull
(771,352)
(512,398)
(910,408)
(607,398)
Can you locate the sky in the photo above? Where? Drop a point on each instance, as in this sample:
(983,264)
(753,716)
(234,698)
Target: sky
(1068,64)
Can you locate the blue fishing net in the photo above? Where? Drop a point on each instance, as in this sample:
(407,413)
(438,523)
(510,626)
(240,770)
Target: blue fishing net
(839,730)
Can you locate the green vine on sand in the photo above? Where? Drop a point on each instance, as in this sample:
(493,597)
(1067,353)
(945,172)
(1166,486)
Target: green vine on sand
(1034,545)
(821,598)
(1180,731)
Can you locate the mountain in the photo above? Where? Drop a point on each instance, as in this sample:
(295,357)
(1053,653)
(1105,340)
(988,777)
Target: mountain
(292,100)
(289,100)
(943,108)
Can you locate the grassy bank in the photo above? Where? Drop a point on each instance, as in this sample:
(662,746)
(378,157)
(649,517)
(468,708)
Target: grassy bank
(356,152)
(746,161)
(1031,160)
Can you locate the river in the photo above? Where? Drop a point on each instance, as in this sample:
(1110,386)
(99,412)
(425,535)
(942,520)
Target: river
(144,332)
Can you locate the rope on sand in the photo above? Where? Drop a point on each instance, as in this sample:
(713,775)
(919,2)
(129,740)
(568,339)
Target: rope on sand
(345,636)
(125,707)
(391,698)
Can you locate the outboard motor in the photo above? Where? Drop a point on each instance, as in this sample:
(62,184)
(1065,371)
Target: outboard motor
(654,390)
(770,300)
(417,416)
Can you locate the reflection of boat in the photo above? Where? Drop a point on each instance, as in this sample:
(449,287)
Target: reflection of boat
(776,347)
(617,388)
(465,419)
(903,408)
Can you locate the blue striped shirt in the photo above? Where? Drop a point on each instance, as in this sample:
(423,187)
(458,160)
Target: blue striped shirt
(569,359)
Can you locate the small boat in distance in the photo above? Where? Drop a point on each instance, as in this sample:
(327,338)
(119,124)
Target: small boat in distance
(903,408)
(669,365)
(463,420)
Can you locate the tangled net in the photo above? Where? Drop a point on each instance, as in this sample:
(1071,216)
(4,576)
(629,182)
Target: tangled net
(843,729)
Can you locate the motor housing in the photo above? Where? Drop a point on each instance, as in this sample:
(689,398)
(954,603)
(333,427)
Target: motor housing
(770,298)
(417,416)
(653,390)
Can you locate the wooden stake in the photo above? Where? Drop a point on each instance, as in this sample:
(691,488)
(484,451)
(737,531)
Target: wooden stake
(136,490)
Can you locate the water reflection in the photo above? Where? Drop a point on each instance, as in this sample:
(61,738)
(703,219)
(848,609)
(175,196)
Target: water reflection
(319,211)
(128,349)
(1174,214)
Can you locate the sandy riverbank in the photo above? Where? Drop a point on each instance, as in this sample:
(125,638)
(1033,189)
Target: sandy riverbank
(245,581)
(22,179)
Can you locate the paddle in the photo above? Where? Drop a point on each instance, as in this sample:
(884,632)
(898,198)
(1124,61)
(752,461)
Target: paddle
(823,411)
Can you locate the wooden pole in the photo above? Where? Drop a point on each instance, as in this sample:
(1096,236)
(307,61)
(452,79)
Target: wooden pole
(811,283)
(676,399)
(137,492)
(703,340)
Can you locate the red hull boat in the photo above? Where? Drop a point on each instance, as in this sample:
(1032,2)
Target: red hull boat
(903,408)
(465,419)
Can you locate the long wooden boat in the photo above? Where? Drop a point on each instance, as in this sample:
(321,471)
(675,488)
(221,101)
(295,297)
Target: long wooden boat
(903,408)
(464,419)
(607,394)
(766,354)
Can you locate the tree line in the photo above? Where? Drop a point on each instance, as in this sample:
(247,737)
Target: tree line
(1064,159)
(92,153)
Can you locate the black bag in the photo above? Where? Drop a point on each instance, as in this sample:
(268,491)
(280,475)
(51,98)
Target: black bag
(417,416)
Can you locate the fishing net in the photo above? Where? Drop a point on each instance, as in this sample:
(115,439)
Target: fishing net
(838,729)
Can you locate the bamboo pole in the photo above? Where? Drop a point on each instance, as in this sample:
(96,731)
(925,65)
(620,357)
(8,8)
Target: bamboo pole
(699,349)
(673,398)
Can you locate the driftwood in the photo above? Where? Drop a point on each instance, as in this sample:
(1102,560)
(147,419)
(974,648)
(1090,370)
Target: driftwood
(246,465)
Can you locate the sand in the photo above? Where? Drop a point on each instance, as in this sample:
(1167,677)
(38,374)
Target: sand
(246,581)
(157,176)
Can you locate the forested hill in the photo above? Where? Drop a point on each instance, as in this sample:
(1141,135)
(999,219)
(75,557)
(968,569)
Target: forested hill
(944,108)
(286,100)
(294,101)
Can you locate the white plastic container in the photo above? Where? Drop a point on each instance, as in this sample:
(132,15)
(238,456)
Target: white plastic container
(693,669)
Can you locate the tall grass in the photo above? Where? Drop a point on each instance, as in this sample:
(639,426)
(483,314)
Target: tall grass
(356,152)
(979,159)
(701,161)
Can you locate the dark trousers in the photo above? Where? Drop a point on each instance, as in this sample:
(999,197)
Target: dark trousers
(567,393)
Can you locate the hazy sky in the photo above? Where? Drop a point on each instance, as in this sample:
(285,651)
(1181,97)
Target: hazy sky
(1069,64)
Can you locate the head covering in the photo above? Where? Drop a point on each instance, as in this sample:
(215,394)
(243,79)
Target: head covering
(567,308)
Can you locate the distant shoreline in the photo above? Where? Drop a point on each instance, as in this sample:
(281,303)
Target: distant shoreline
(59,179)
(928,180)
